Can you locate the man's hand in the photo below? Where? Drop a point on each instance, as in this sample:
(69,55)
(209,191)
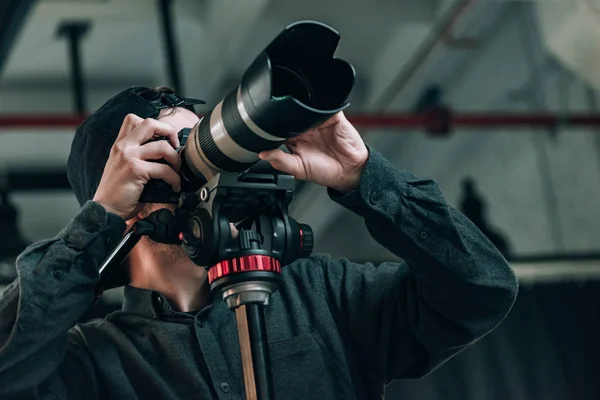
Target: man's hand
(332,155)
(127,169)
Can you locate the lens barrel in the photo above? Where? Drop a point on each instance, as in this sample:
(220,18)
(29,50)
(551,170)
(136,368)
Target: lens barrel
(295,84)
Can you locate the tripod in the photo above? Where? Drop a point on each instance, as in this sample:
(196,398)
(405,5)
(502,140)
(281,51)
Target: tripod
(244,265)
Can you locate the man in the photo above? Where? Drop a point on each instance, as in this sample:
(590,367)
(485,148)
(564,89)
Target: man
(337,330)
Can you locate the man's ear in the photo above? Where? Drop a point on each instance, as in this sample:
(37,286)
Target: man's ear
(133,220)
(129,223)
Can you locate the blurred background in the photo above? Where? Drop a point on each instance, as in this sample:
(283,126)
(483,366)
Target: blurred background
(495,100)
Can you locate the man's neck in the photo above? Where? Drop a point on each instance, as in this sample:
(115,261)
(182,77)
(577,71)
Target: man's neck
(170,272)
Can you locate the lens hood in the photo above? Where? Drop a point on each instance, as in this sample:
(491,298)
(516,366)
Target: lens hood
(296,82)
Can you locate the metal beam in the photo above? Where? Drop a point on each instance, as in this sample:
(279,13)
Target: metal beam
(441,34)
(49,179)
(170,44)
(73,32)
(13,14)
(379,121)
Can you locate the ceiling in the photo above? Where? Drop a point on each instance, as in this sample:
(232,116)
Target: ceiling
(217,39)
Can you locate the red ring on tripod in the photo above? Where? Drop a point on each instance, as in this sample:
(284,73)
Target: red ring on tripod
(243,264)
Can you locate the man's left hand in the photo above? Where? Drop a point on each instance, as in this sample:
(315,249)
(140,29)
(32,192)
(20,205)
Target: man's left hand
(333,155)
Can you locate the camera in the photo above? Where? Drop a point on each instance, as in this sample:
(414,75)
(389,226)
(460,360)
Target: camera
(295,84)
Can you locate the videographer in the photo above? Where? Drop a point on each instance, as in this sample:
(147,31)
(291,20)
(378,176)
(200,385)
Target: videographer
(337,330)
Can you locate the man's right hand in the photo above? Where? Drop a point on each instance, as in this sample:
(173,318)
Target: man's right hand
(128,168)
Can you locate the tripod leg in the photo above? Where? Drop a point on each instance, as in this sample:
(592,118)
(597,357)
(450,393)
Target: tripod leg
(254,348)
(257,329)
(246,352)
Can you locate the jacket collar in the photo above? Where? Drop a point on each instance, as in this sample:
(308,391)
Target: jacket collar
(141,301)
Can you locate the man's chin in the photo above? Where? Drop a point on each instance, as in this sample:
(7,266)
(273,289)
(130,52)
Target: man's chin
(149,208)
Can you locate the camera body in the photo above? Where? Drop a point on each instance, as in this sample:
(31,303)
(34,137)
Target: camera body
(158,191)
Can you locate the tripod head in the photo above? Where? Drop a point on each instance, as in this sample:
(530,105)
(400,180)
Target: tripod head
(264,239)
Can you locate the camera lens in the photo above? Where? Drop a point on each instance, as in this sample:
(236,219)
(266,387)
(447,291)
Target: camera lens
(295,84)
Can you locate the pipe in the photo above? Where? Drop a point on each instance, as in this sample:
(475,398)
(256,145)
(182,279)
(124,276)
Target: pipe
(78,88)
(73,32)
(37,179)
(172,56)
(384,121)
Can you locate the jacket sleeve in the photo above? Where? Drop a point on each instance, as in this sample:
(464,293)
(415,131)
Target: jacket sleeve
(404,319)
(40,355)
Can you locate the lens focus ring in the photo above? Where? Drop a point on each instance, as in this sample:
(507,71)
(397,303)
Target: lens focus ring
(239,131)
(213,153)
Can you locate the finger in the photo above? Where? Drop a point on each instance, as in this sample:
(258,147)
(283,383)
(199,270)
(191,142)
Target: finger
(150,127)
(270,155)
(163,172)
(174,139)
(160,150)
(291,145)
(130,122)
(287,163)
(336,118)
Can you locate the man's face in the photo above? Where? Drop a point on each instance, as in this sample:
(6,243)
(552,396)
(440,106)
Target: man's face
(167,255)
(179,118)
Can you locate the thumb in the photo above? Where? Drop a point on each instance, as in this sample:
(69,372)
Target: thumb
(284,162)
